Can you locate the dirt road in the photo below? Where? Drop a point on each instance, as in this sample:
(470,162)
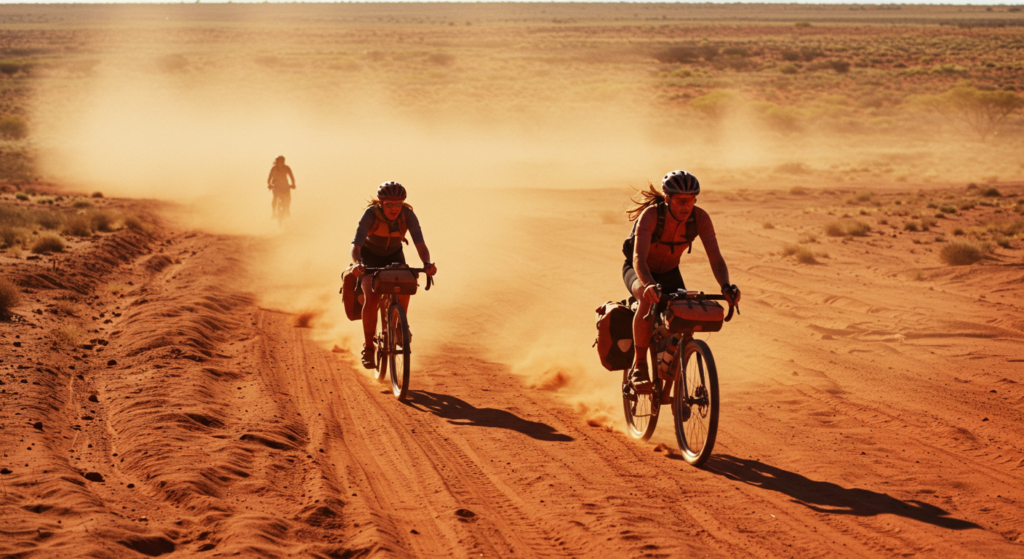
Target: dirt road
(865,412)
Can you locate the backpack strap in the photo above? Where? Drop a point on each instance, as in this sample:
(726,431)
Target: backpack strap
(691,230)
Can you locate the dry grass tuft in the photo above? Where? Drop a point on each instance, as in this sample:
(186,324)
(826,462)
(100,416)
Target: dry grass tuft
(961,253)
(803,255)
(847,228)
(48,243)
(68,335)
(9,297)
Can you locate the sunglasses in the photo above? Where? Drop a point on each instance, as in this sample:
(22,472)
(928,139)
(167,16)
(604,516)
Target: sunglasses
(392,205)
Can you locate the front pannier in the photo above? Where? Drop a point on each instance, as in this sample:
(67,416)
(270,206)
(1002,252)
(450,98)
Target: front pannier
(615,336)
(688,315)
(398,281)
(352,295)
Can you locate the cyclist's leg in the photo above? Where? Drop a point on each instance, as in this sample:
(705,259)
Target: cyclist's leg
(369,309)
(273,205)
(641,328)
(286,202)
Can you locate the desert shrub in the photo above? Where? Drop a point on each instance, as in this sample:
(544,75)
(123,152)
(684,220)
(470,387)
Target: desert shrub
(797,190)
(1007,228)
(788,69)
(78,225)
(972,186)
(21,196)
(717,103)
(81,204)
(991,192)
(97,194)
(48,243)
(10,236)
(101,221)
(947,209)
(983,111)
(1004,242)
(67,335)
(940,238)
(49,220)
(9,297)
(736,51)
(807,238)
(802,24)
(911,226)
(803,255)
(686,53)
(928,222)
(840,66)
(13,127)
(847,228)
(768,225)
(958,232)
(66,308)
(134,223)
(961,253)
(12,67)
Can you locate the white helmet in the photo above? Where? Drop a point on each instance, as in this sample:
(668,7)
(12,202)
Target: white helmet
(680,182)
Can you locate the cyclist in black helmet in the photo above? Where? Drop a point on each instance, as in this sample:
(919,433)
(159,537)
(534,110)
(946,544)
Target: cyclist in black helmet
(666,223)
(378,243)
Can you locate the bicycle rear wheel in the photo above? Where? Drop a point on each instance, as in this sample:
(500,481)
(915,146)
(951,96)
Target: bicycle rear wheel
(381,341)
(398,350)
(695,404)
(641,410)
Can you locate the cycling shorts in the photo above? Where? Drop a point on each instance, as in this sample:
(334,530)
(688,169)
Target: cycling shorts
(670,281)
(372,260)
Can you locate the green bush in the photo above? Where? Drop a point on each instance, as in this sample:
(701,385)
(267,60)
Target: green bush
(21,196)
(9,297)
(847,228)
(13,127)
(48,243)
(961,253)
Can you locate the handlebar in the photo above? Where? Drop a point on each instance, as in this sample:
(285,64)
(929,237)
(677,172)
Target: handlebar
(695,295)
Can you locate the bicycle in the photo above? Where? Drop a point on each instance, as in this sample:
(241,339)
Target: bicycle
(687,379)
(392,339)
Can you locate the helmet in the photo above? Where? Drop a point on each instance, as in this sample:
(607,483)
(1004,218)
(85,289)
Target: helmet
(279,159)
(680,182)
(392,190)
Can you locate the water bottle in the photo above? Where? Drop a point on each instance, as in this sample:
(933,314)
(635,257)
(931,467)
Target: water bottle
(665,356)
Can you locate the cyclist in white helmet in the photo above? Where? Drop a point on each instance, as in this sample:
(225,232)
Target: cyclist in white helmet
(666,224)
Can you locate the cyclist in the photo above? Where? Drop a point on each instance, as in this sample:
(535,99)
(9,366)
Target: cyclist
(277,181)
(378,243)
(666,224)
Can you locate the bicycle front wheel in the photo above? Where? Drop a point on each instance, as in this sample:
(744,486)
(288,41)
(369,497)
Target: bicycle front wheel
(695,404)
(641,410)
(398,339)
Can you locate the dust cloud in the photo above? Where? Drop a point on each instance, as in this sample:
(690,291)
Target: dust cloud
(505,198)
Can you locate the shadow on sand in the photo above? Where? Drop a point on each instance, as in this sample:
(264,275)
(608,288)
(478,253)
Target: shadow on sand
(459,412)
(827,497)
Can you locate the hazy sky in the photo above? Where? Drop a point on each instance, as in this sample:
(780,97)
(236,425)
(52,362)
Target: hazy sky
(960,2)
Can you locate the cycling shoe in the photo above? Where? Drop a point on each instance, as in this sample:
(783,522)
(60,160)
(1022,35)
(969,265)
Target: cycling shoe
(369,356)
(640,378)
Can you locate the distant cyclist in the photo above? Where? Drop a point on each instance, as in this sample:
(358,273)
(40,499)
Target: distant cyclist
(666,223)
(277,181)
(378,243)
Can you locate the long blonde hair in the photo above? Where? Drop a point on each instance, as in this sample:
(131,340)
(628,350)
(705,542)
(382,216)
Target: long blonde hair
(643,200)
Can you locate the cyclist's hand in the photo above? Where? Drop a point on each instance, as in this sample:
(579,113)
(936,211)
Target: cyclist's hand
(732,294)
(358,269)
(652,294)
(431,268)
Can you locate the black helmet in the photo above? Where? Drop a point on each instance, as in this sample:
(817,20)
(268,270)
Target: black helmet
(391,190)
(680,182)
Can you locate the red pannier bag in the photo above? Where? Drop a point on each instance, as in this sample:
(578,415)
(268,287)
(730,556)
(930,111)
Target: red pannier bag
(397,281)
(352,295)
(690,315)
(615,336)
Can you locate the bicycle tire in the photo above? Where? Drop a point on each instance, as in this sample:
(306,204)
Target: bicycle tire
(695,403)
(641,410)
(398,338)
(381,341)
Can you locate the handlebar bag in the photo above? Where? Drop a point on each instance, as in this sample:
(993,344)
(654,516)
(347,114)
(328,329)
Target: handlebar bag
(689,315)
(352,295)
(615,336)
(395,282)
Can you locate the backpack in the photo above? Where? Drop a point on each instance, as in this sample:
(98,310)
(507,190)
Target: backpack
(691,232)
(615,335)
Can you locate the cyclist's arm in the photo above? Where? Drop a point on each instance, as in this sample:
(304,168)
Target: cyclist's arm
(362,230)
(357,253)
(290,175)
(646,223)
(421,249)
(417,237)
(270,178)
